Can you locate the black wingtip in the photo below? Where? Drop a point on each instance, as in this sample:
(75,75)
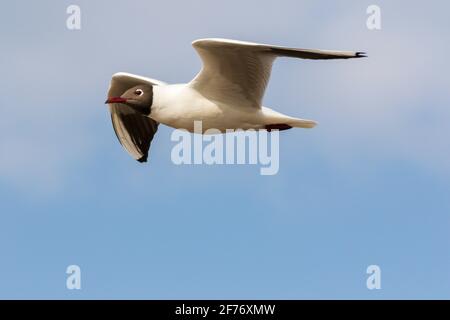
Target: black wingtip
(142,159)
(361,55)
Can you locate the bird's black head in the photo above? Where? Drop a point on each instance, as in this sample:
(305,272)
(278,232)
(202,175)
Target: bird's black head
(139,97)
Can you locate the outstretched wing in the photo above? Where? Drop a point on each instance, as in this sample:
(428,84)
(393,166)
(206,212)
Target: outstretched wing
(134,131)
(237,72)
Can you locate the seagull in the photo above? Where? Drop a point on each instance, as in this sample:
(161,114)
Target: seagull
(226,94)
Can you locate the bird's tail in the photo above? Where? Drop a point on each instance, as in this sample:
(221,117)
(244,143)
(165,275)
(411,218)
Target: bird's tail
(301,123)
(276,120)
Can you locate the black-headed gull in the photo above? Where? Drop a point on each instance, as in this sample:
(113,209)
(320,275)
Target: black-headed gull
(226,94)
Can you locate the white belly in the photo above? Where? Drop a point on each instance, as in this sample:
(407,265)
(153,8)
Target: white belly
(179,107)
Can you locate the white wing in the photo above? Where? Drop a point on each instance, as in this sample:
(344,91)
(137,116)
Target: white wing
(237,72)
(134,131)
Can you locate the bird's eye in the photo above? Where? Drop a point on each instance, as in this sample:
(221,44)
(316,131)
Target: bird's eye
(139,92)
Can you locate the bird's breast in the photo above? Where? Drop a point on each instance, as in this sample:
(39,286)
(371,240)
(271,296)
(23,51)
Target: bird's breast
(180,107)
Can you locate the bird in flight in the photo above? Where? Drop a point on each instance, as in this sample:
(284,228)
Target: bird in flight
(226,94)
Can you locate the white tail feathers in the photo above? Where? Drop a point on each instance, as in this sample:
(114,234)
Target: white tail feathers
(301,123)
(273,118)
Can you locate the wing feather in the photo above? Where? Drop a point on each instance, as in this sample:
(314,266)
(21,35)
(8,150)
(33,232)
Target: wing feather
(237,72)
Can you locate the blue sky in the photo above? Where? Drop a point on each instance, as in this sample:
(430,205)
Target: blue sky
(369,185)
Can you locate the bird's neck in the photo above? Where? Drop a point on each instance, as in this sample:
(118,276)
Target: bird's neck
(167,100)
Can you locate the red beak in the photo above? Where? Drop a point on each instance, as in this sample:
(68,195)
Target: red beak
(116,100)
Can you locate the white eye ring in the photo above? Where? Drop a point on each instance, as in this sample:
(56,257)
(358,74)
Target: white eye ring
(139,92)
